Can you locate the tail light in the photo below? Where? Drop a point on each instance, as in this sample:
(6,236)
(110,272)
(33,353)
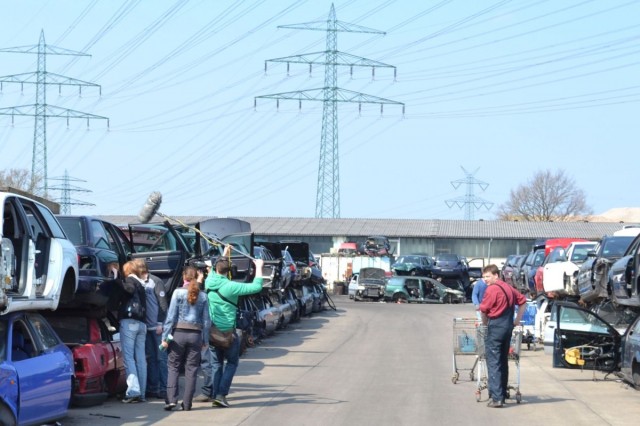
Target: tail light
(292,267)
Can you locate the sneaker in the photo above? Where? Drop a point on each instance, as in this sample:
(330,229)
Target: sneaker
(131,399)
(203,398)
(170,406)
(221,401)
(495,404)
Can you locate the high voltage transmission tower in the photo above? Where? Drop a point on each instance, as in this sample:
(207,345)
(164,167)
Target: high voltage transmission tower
(469,201)
(40,110)
(66,188)
(328,190)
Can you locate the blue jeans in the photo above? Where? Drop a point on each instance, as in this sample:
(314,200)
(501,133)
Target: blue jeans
(156,363)
(497,345)
(223,372)
(207,371)
(133,334)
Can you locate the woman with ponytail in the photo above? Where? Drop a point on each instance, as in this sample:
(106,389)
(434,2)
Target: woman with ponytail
(185,334)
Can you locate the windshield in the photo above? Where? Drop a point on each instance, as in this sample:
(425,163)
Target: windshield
(615,247)
(447,258)
(74,228)
(409,259)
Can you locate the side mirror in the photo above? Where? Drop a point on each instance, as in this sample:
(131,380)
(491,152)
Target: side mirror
(591,253)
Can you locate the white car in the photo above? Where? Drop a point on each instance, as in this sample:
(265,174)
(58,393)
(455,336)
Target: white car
(39,265)
(562,266)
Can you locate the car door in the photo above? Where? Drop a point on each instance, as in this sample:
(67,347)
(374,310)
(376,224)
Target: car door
(554,270)
(163,250)
(242,266)
(583,340)
(45,377)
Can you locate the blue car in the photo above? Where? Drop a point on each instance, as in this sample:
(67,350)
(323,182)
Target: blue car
(36,371)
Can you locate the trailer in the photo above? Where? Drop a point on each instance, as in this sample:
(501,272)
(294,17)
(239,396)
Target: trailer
(338,268)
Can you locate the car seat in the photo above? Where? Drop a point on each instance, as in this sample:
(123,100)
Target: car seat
(18,351)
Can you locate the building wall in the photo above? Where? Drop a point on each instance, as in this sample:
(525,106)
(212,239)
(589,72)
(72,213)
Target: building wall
(470,248)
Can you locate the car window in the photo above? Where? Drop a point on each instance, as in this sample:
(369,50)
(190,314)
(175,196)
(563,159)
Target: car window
(22,343)
(46,335)
(70,329)
(74,229)
(577,319)
(117,238)
(100,237)
(538,258)
(616,246)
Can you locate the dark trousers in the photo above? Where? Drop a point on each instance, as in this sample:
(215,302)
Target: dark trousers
(497,345)
(184,350)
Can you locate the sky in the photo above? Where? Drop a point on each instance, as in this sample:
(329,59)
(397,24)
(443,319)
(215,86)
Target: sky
(494,90)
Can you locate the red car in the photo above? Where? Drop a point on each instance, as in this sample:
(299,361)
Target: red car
(97,357)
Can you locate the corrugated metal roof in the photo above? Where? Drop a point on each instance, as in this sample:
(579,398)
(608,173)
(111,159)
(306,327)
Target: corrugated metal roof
(412,228)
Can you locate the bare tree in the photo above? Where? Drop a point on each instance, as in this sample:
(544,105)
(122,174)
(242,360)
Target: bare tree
(19,179)
(548,196)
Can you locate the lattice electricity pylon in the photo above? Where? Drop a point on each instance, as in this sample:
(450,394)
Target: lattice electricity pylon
(66,188)
(40,110)
(328,191)
(469,200)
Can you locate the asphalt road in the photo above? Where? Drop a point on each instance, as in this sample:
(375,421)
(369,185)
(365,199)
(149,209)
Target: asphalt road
(383,364)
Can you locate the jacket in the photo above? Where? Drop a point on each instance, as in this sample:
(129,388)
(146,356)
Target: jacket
(157,303)
(223,314)
(133,291)
(181,314)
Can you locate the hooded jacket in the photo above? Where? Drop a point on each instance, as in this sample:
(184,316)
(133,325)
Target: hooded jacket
(223,313)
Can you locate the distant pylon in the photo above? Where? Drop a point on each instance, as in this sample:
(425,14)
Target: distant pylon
(469,201)
(40,110)
(328,190)
(66,188)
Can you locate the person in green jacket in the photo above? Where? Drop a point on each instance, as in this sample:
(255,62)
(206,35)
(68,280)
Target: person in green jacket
(223,305)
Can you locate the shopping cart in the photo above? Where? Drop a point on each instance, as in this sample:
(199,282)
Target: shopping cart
(467,346)
(513,383)
(531,332)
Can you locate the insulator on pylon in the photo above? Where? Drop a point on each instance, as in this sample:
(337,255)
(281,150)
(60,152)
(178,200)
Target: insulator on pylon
(310,68)
(351,71)
(395,73)
(359,108)
(59,89)
(278,104)
(373,73)
(299,104)
(255,103)
(381,108)
(402,111)
(265,67)
(288,64)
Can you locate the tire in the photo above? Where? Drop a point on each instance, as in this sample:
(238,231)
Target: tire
(399,298)
(448,299)
(635,374)
(6,416)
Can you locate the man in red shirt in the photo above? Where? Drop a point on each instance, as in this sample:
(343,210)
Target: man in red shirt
(497,310)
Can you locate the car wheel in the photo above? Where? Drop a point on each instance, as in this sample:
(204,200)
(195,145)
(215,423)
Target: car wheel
(399,298)
(6,416)
(447,299)
(635,373)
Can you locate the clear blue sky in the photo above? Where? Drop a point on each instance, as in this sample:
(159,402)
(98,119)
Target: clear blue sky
(501,88)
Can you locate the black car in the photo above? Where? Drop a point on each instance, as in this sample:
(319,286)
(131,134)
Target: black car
(102,248)
(593,275)
(413,264)
(376,245)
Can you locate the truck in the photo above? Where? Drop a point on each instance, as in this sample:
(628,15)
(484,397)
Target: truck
(338,268)
(38,264)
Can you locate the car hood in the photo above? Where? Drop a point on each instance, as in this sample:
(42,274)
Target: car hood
(371,274)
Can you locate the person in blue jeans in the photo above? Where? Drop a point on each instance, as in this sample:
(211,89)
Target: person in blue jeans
(223,297)
(497,309)
(156,313)
(133,333)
